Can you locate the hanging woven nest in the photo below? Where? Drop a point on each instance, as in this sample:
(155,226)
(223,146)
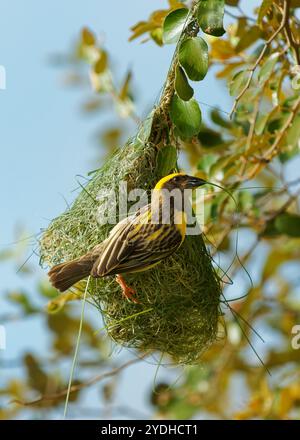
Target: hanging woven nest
(179,299)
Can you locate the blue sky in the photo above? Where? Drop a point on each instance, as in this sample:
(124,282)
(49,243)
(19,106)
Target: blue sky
(45,140)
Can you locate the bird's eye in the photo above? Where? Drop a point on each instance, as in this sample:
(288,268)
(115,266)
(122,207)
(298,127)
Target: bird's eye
(176,179)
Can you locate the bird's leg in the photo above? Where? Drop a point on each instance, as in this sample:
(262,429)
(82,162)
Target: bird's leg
(127,291)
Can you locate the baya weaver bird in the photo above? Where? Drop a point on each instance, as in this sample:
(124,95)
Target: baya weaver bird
(136,243)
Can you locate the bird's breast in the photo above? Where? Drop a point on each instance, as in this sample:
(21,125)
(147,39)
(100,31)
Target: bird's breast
(180,222)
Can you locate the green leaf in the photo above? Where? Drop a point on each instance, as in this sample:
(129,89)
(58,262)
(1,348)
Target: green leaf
(193,56)
(293,133)
(209,138)
(186,116)
(275,124)
(248,38)
(260,124)
(210,17)
(174,24)
(288,224)
(245,201)
(46,290)
(221,164)
(238,82)
(267,68)
(288,155)
(38,379)
(206,162)
(23,300)
(166,160)
(270,230)
(56,304)
(218,119)
(182,87)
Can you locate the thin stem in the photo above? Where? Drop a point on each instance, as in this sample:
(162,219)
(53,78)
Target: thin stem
(76,350)
(237,17)
(273,149)
(162,110)
(289,35)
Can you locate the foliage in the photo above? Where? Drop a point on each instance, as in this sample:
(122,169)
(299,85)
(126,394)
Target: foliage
(248,154)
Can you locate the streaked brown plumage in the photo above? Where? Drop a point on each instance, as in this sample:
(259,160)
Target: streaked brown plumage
(133,245)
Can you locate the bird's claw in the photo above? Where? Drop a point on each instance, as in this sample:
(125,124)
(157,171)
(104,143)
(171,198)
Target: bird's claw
(127,291)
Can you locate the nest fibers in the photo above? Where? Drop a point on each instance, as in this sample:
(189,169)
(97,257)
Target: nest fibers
(179,298)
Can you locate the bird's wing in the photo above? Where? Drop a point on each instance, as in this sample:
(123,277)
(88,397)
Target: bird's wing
(136,244)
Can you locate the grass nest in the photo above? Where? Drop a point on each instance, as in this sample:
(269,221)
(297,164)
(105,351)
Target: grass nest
(179,299)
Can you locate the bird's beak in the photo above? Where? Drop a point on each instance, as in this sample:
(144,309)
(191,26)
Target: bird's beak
(194,182)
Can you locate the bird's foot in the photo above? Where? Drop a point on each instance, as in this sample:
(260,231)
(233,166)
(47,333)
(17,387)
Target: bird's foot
(127,291)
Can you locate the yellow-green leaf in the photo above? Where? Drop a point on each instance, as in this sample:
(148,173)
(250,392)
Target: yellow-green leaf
(260,123)
(288,224)
(238,82)
(267,68)
(218,119)
(157,36)
(264,8)
(293,133)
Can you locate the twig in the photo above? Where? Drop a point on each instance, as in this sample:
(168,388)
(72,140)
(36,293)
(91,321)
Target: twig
(285,16)
(289,35)
(230,14)
(244,15)
(78,387)
(271,153)
(273,149)
(254,245)
(285,206)
(252,127)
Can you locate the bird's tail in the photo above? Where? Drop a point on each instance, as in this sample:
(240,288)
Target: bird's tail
(64,275)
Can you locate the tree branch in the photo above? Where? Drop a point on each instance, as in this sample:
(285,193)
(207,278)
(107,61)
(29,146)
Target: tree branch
(285,16)
(78,387)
